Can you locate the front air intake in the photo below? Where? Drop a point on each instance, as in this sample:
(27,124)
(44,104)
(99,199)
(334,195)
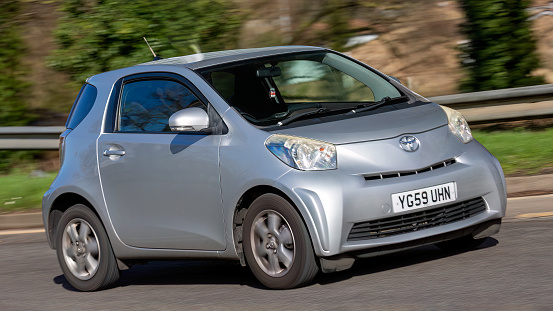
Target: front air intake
(420,220)
(432,167)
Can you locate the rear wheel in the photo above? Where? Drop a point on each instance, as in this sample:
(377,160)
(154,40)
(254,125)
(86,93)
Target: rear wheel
(460,244)
(84,251)
(277,245)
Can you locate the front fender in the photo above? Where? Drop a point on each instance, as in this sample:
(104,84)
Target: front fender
(318,198)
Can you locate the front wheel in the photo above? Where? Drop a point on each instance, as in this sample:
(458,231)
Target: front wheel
(277,245)
(84,252)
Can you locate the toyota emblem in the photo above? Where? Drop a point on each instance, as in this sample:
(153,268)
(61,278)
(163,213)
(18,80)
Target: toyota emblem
(409,143)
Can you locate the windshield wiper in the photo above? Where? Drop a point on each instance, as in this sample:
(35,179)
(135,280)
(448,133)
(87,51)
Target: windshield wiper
(302,115)
(370,106)
(384,101)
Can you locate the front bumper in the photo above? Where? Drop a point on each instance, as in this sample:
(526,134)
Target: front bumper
(332,202)
(345,261)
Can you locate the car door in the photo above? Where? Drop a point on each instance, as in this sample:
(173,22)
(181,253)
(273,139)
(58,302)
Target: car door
(161,188)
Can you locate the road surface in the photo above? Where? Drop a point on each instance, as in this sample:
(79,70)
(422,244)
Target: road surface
(511,271)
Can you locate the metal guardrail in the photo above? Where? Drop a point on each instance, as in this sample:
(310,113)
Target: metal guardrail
(513,104)
(30,137)
(527,94)
(479,107)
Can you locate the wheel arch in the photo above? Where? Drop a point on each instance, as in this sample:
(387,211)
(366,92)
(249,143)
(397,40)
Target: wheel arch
(241,209)
(59,206)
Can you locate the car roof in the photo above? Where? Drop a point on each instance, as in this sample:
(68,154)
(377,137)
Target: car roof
(202,60)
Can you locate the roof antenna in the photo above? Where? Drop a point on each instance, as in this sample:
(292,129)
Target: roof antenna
(155,56)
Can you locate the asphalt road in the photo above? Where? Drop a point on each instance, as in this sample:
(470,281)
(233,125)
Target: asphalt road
(511,271)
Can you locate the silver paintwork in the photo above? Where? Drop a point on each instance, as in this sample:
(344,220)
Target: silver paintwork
(190,119)
(174,195)
(201,60)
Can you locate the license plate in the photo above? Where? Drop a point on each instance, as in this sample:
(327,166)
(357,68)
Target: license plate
(414,199)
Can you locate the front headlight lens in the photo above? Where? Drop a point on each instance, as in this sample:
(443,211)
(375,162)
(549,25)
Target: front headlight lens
(458,125)
(302,153)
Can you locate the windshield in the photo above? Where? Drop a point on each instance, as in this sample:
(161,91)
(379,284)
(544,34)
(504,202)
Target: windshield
(271,90)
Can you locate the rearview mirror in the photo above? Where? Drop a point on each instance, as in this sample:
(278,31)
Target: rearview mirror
(189,119)
(268,72)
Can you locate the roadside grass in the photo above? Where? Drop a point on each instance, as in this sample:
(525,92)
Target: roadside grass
(520,151)
(21,191)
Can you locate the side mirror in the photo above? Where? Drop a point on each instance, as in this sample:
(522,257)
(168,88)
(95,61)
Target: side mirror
(189,119)
(395,79)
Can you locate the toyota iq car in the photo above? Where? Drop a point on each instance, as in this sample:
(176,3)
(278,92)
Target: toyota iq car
(291,160)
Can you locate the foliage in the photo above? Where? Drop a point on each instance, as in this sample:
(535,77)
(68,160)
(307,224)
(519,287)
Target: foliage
(335,15)
(501,51)
(97,36)
(528,151)
(10,159)
(13,110)
(19,191)
(339,29)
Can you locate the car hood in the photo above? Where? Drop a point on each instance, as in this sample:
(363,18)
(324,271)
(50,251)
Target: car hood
(378,126)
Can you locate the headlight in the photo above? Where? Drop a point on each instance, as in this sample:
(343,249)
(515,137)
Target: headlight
(302,153)
(458,125)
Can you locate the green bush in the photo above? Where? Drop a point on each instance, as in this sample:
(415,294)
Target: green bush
(501,52)
(10,159)
(97,36)
(13,109)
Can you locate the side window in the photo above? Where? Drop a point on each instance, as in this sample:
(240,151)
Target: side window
(146,105)
(84,102)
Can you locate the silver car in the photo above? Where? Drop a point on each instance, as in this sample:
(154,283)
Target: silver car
(290,160)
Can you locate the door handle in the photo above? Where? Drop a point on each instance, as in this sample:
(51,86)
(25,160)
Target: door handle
(108,152)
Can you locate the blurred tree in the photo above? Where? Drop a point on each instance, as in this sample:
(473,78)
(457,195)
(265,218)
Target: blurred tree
(336,15)
(12,89)
(501,51)
(100,35)
(13,109)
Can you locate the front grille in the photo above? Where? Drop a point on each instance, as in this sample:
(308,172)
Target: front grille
(413,172)
(411,222)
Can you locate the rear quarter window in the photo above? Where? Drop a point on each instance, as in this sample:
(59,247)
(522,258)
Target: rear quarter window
(82,106)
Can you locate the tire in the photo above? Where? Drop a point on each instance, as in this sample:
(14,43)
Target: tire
(464,243)
(84,251)
(277,245)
